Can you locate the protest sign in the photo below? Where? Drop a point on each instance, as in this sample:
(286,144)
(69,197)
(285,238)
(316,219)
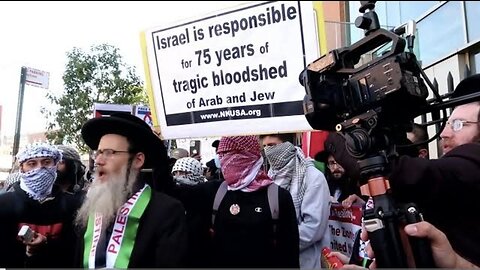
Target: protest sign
(234,72)
(343,224)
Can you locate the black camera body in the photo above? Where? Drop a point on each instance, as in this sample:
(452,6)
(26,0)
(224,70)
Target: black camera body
(390,85)
(373,106)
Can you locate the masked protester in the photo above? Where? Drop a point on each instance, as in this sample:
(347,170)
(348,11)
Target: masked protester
(11,180)
(291,170)
(243,233)
(38,204)
(188,171)
(70,171)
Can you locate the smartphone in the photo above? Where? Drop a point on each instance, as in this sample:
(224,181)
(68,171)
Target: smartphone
(194,147)
(26,234)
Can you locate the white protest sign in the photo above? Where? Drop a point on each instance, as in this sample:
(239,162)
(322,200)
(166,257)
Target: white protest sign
(234,72)
(343,224)
(37,78)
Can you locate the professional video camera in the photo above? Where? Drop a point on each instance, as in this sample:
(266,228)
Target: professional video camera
(372,105)
(390,84)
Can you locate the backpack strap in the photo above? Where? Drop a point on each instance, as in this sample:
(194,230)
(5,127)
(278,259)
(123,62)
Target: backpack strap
(272,193)
(221,191)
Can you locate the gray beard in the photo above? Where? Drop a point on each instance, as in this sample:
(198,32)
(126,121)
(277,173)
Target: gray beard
(105,198)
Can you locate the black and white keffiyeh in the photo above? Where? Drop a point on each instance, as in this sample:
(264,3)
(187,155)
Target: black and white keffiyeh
(39,149)
(38,183)
(287,169)
(193,169)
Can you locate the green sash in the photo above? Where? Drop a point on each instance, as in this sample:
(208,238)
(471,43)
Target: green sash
(122,240)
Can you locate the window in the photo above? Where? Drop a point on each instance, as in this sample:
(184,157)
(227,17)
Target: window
(440,33)
(475,62)
(413,10)
(473,22)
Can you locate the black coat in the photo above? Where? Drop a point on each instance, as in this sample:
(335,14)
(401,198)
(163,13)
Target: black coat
(446,189)
(52,218)
(244,240)
(161,239)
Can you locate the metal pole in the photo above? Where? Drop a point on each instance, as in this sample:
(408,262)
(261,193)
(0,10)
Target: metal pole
(21,91)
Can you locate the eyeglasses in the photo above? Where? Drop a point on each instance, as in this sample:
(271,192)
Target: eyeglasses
(332,163)
(457,124)
(106,153)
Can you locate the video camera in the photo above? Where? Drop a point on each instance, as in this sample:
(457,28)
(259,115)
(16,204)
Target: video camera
(391,85)
(373,106)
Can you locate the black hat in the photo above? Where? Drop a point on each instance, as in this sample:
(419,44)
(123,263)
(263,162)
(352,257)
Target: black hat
(322,156)
(335,144)
(137,131)
(467,86)
(216,143)
(328,148)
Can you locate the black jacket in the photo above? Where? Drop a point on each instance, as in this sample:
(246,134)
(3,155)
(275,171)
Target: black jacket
(52,218)
(446,189)
(244,240)
(161,239)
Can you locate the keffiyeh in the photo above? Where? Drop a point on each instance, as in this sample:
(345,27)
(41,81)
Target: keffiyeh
(287,169)
(38,183)
(193,169)
(36,150)
(241,163)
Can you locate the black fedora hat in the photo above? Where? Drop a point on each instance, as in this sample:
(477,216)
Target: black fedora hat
(467,86)
(137,131)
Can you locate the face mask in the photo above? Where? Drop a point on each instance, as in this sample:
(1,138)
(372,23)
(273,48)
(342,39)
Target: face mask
(185,180)
(216,159)
(279,155)
(40,181)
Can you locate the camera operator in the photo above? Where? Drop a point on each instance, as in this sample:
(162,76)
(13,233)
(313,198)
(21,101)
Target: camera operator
(445,189)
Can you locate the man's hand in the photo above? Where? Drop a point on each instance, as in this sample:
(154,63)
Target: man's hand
(443,254)
(354,198)
(38,241)
(344,259)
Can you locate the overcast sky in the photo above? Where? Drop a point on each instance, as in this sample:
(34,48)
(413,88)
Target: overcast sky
(38,35)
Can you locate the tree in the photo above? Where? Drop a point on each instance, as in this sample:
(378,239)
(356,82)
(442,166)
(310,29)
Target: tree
(98,76)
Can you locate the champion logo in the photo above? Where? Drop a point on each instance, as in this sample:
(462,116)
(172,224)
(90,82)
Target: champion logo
(258,209)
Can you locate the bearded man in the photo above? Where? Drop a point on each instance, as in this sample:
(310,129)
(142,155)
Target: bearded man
(125,223)
(70,171)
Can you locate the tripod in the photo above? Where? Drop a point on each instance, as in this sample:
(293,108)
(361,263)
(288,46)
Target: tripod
(373,146)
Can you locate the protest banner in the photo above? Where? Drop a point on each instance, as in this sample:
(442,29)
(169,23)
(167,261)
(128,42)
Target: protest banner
(233,72)
(343,225)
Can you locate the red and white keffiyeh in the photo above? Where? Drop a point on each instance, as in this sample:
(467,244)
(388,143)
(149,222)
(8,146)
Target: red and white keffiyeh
(241,163)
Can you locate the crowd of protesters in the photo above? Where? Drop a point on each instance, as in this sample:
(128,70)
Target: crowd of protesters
(260,202)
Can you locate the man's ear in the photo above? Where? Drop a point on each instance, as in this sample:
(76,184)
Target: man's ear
(138,160)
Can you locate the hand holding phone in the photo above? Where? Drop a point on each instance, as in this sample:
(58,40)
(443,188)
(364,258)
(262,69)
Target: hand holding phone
(26,234)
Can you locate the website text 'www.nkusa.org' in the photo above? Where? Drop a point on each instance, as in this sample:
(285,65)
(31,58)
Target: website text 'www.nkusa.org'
(231,113)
